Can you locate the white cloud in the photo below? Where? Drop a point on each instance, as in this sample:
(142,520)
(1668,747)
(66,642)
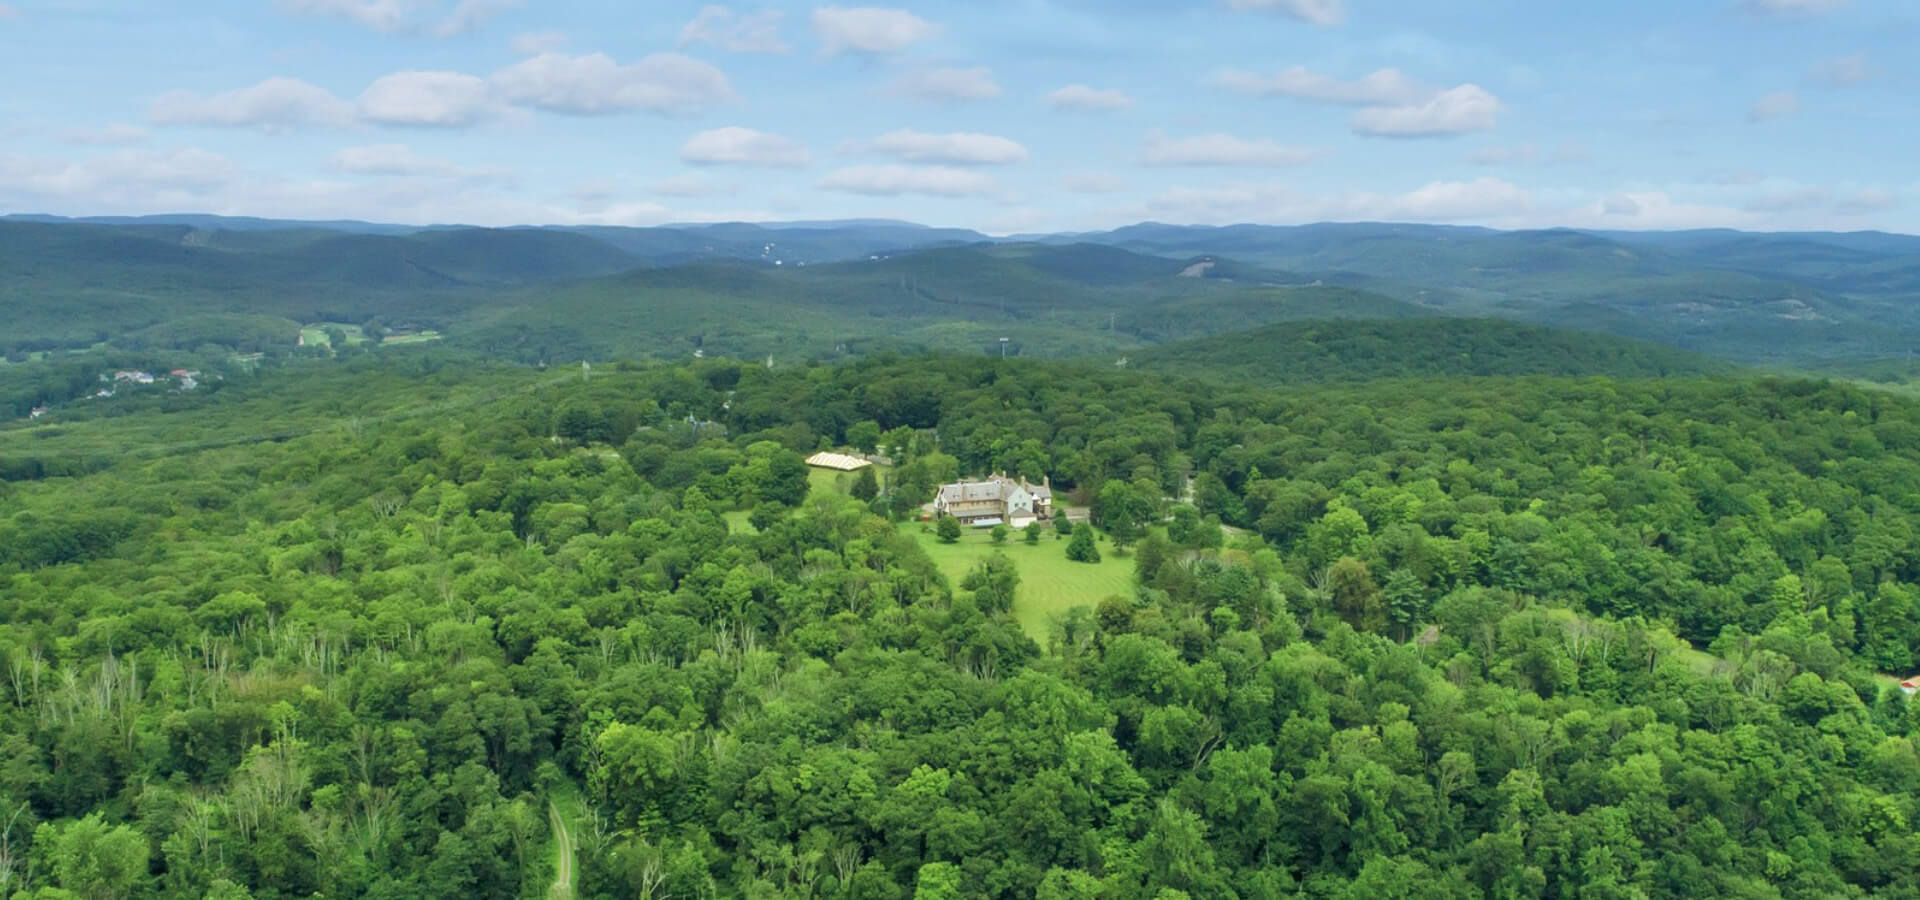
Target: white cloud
(380,15)
(1796,199)
(1220,149)
(1773,106)
(1620,205)
(1644,210)
(735,146)
(433,99)
(470,15)
(1480,200)
(690,186)
(741,33)
(1792,7)
(1094,183)
(1386,87)
(1312,12)
(960,148)
(274,105)
(1845,71)
(595,84)
(868,29)
(399,159)
(405,16)
(146,182)
(534,43)
(1862,202)
(1529,154)
(112,178)
(890,181)
(1082,97)
(948,85)
(1455,111)
(116,134)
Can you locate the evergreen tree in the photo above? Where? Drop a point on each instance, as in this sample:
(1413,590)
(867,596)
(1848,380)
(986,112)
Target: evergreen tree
(865,485)
(1081,548)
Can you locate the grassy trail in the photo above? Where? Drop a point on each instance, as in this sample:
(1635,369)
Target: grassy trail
(563,850)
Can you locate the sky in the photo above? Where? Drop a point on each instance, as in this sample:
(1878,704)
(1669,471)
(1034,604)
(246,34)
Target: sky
(1007,116)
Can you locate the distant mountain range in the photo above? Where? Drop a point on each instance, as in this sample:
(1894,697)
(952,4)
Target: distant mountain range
(812,288)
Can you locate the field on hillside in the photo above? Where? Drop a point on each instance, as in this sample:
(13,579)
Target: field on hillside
(1050,583)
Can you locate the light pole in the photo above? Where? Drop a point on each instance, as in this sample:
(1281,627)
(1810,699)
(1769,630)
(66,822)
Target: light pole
(1003,347)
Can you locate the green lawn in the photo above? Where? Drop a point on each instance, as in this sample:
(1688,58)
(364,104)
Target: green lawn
(1050,584)
(316,335)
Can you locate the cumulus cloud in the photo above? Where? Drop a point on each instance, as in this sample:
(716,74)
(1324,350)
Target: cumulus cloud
(957,148)
(1845,71)
(597,85)
(1792,199)
(892,181)
(1773,106)
(1733,178)
(1869,200)
(1220,149)
(399,160)
(1386,87)
(1645,210)
(1482,200)
(1528,155)
(949,85)
(1312,12)
(534,43)
(1456,111)
(739,32)
(273,105)
(110,178)
(1082,97)
(1791,7)
(1620,205)
(869,29)
(736,146)
(406,16)
(1094,183)
(429,99)
(116,134)
(145,182)
(470,15)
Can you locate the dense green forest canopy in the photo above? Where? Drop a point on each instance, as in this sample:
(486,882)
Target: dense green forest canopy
(405,623)
(1312,351)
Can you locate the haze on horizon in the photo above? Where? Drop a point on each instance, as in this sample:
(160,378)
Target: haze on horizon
(1004,115)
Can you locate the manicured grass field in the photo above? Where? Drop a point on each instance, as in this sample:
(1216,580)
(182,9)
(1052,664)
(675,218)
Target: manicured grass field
(1050,583)
(316,335)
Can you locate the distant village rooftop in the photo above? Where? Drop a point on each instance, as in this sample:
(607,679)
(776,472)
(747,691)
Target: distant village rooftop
(839,461)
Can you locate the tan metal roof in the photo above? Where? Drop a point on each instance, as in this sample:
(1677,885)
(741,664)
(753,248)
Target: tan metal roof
(839,461)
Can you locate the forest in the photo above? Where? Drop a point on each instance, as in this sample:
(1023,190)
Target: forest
(411,624)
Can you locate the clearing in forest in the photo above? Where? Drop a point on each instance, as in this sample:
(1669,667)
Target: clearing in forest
(563,848)
(1050,583)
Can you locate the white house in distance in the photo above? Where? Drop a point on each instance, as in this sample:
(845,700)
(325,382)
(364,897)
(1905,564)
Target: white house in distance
(995,501)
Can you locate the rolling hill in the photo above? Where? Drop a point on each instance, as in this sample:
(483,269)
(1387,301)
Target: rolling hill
(1802,301)
(1074,300)
(1775,299)
(1322,350)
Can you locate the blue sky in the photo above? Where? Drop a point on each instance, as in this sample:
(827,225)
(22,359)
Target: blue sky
(1002,115)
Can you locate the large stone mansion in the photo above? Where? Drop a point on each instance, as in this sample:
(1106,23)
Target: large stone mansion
(995,501)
